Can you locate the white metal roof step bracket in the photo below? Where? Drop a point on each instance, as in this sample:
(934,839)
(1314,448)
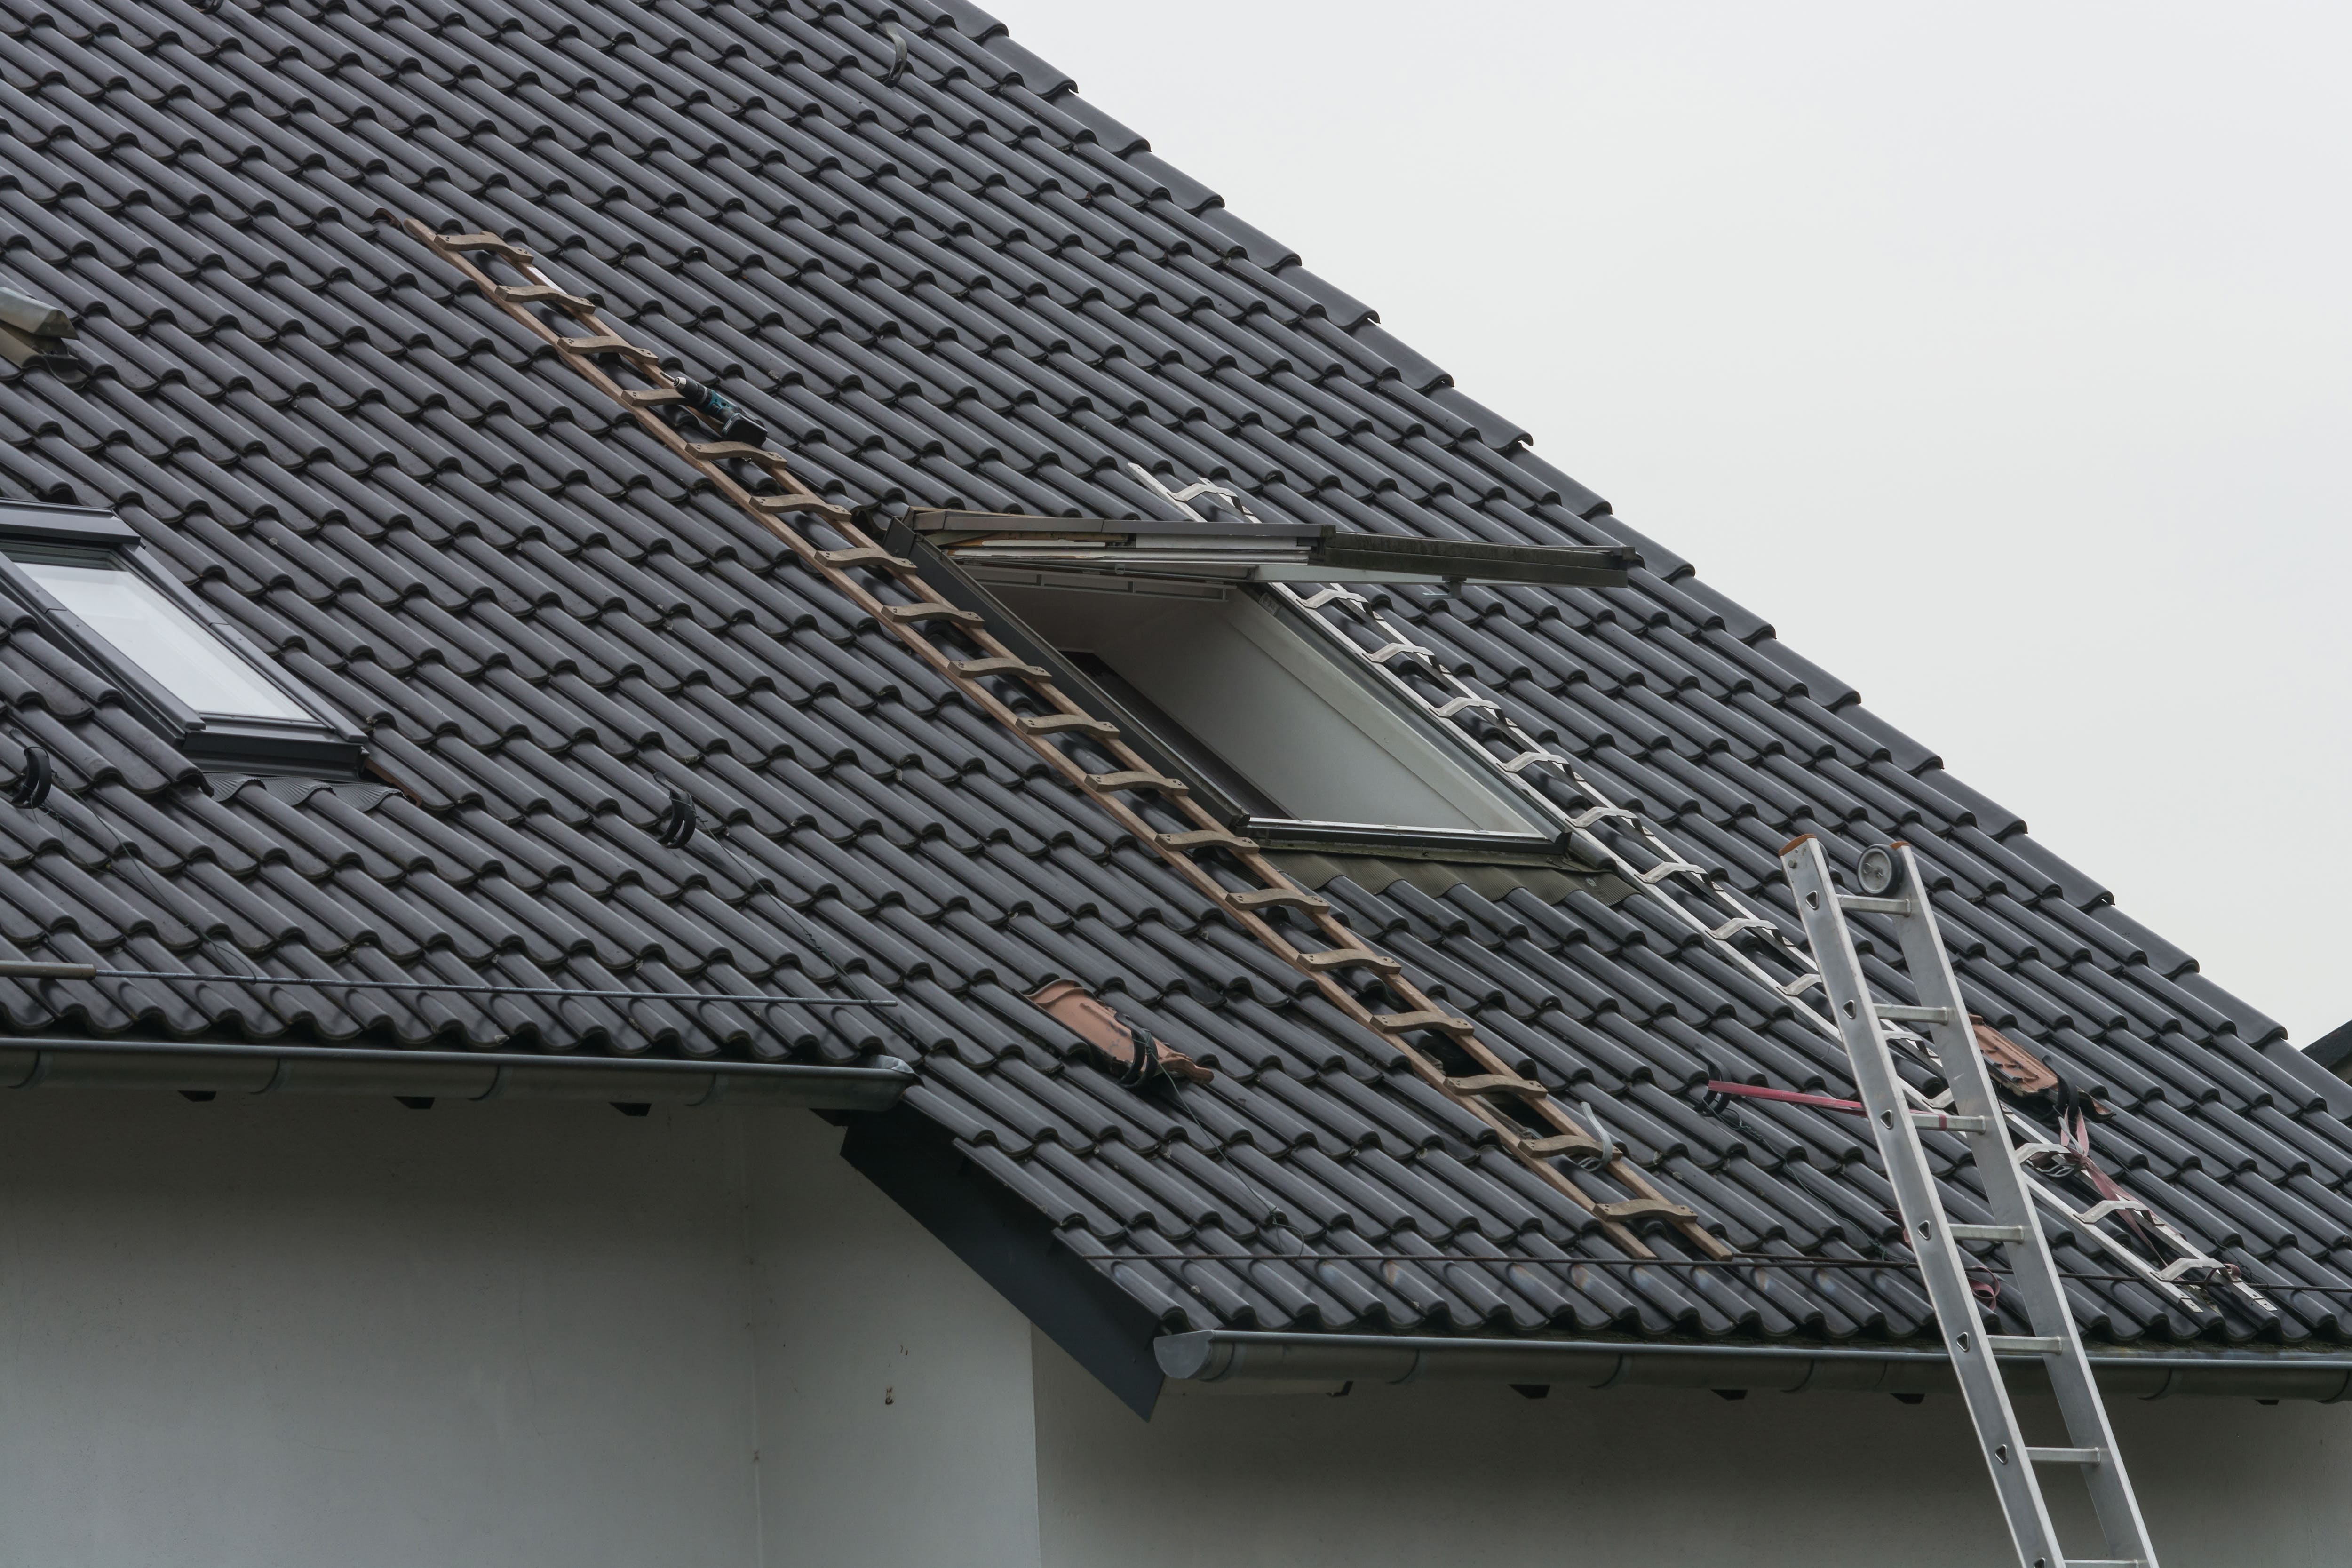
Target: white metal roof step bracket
(1889,878)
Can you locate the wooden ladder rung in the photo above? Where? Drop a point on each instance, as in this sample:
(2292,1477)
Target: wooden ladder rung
(1204,839)
(874,555)
(1569,1143)
(1061,723)
(609,343)
(1498,1083)
(491,242)
(1277,899)
(647,396)
(731,451)
(910,614)
(1348,958)
(1641,1209)
(1132,779)
(543,294)
(1404,1023)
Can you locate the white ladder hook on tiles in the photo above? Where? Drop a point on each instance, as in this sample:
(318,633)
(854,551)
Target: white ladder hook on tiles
(1890,886)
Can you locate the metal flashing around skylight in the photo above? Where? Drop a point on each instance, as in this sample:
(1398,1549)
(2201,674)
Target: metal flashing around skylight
(1259,551)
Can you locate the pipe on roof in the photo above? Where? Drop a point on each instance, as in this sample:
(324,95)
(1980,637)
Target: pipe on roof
(1233,1355)
(201,1066)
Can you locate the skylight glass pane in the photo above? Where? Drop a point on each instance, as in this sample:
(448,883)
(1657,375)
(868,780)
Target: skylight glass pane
(163,641)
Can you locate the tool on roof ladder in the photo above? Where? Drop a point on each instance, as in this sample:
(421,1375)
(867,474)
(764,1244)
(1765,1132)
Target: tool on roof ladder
(1699,901)
(724,414)
(1889,878)
(1528,1125)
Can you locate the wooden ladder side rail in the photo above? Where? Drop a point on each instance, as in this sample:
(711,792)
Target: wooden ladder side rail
(1475,1094)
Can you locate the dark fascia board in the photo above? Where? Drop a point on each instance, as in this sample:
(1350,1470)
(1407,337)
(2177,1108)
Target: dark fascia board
(238,1067)
(2332,1050)
(1012,1247)
(1340,554)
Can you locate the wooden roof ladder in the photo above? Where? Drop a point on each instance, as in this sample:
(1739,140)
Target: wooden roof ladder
(1294,924)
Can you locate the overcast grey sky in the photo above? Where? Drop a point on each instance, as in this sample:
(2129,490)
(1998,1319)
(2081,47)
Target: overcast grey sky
(1997,353)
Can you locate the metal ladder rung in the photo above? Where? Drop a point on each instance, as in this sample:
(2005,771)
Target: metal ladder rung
(2025,1344)
(1898,1014)
(1988,1232)
(2065,1456)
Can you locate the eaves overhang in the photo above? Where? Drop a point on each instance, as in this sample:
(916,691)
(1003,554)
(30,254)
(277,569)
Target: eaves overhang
(1237,1357)
(206,1068)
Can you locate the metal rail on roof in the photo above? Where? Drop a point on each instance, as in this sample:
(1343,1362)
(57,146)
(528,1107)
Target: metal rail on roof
(1704,905)
(1528,1124)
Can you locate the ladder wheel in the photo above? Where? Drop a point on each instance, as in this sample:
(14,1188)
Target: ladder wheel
(1879,871)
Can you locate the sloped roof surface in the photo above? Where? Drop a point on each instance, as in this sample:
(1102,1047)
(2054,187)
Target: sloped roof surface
(970,287)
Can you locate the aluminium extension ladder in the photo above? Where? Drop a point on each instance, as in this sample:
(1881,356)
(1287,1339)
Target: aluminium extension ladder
(1890,883)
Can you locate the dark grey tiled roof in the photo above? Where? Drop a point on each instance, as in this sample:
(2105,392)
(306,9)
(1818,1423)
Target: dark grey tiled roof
(971,287)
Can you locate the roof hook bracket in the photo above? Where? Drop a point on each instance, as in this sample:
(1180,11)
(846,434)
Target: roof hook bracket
(33,783)
(674,828)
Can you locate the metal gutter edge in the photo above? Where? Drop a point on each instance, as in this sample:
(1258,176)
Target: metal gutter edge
(222,1069)
(1230,1355)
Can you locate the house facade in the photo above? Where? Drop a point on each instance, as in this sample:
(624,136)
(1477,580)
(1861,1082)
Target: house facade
(766,808)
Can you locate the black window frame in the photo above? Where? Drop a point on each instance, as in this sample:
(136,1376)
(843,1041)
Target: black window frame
(329,746)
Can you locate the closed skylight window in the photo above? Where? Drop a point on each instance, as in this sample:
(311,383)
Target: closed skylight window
(143,626)
(177,664)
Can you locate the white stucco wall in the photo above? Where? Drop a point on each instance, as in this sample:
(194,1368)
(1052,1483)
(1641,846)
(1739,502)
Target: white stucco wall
(1441,1475)
(343,1333)
(339,1332)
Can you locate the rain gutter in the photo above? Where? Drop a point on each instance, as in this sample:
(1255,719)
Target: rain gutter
(1231,1357)
(203,1069)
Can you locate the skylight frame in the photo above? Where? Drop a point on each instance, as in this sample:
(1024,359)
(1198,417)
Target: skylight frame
(1542,844)
(323,743)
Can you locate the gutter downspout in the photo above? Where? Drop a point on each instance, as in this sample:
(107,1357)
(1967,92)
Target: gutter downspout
(200,1067)
(1229,1356)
